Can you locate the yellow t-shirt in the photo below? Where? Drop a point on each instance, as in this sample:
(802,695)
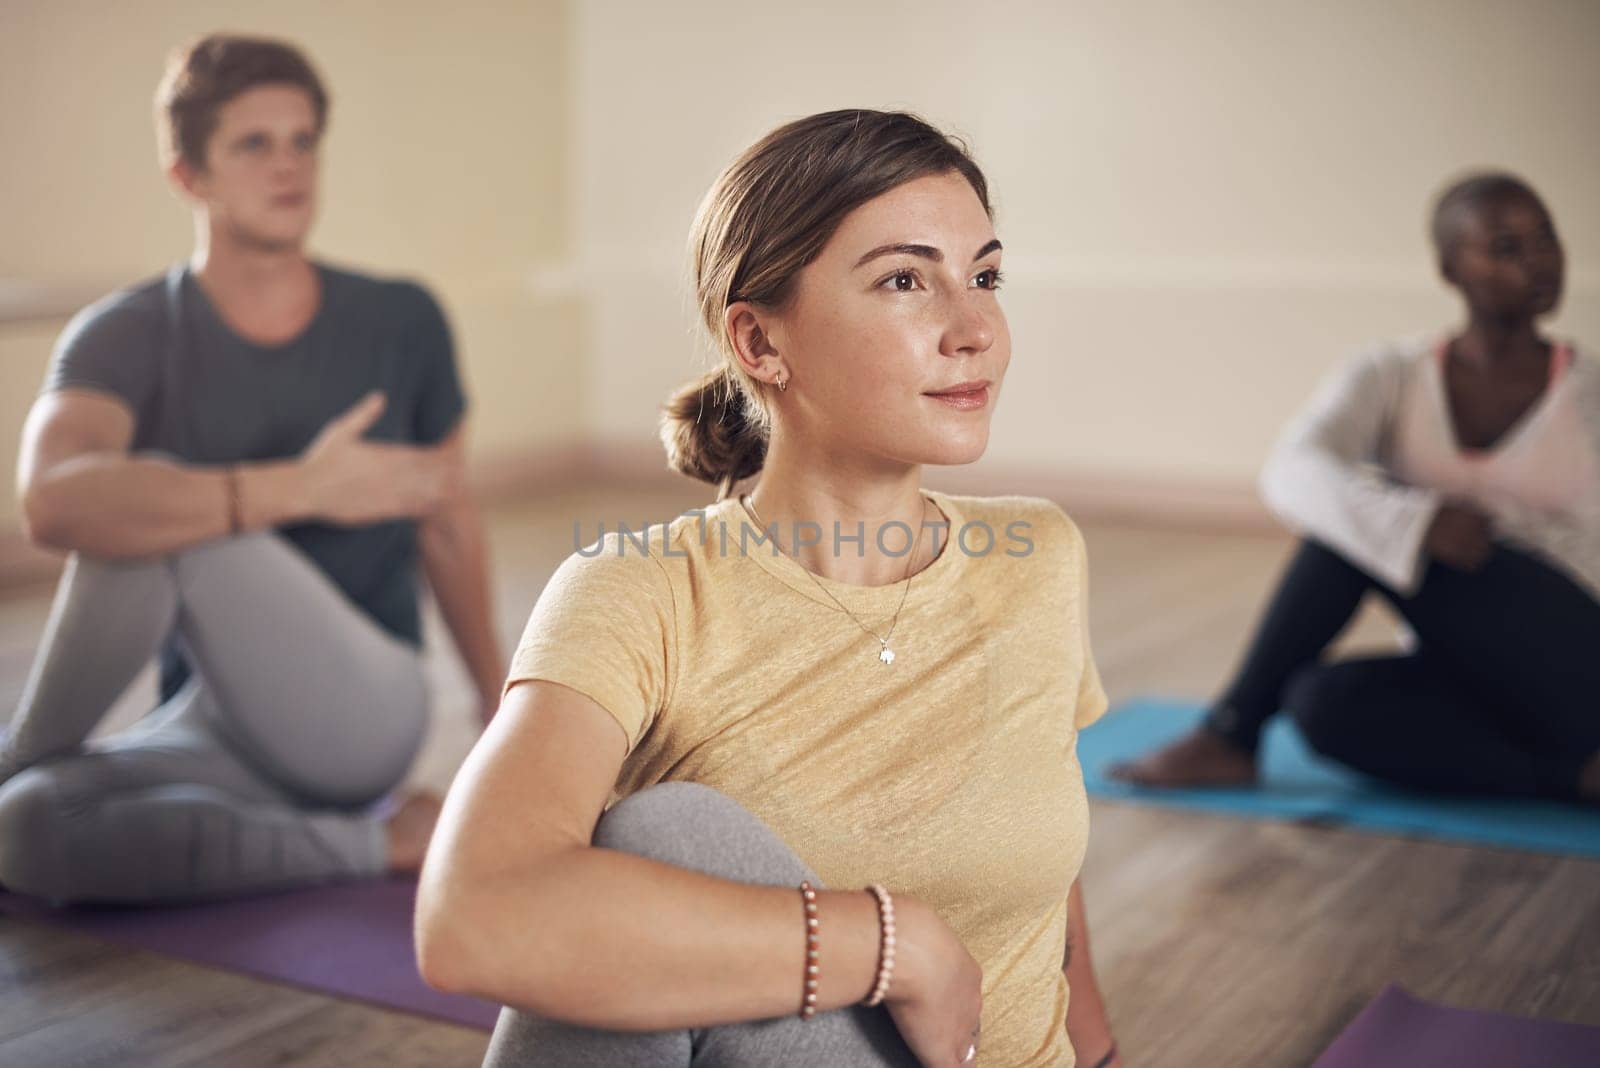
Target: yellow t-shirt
(950,773)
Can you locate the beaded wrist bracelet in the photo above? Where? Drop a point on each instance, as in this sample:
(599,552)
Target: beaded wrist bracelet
(808,1006)
(886,945)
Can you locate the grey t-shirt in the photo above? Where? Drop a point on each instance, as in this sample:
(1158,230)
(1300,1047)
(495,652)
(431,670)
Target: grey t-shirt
(208,396)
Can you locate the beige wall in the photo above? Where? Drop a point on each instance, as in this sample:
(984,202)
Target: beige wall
(1204,205)
(446,160)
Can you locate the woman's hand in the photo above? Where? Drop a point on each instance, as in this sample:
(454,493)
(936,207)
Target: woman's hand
(1459,537)
(936,995)
(349,480)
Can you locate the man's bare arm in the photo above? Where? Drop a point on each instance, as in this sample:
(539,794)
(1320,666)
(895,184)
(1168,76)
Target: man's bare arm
(81,490)
(455,558)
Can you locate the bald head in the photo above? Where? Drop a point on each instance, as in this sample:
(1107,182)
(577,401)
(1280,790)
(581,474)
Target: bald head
(1465,201)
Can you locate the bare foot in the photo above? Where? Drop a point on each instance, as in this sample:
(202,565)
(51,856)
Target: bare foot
(410,829)
(1589,780)
(1200,758)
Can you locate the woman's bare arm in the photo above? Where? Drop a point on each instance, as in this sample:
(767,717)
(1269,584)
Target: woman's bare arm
(1088,1025)
(516,906)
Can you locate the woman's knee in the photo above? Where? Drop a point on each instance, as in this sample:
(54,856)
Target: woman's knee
(1318,699)
(1330,564)
(694,826)
(636,823)
(523,1040)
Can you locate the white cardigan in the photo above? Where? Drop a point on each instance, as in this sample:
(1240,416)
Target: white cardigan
(1335,472)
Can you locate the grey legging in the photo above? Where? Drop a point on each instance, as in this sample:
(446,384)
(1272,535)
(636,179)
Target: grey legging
(696,827)
(258,774)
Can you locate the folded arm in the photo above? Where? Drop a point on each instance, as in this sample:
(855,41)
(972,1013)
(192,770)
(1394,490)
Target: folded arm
(1325,480)
(81,490)
(526,912)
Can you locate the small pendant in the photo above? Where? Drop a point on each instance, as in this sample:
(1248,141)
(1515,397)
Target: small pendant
(887,656)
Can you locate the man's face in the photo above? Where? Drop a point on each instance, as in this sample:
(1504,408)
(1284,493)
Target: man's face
(259,184)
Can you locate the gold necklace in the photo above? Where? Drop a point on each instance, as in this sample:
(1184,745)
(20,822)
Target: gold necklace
(885,654)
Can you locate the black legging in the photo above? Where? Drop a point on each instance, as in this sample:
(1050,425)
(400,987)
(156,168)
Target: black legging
(1502,696)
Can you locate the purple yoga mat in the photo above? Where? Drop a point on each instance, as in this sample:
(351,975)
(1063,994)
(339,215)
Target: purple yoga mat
(347,939)
(1399,1030)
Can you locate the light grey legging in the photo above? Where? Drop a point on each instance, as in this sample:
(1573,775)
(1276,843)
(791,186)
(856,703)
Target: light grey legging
(693,826)
(258,774)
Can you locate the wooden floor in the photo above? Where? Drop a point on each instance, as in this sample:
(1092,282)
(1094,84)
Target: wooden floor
(1218,942)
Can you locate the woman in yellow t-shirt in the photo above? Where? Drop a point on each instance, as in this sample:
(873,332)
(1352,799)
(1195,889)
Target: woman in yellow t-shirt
(839,679)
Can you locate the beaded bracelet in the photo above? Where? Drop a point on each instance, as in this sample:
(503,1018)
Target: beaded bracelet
(886,945)
(808,1007)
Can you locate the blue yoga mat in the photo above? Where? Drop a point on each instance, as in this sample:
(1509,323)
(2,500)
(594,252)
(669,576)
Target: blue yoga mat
(1296,784)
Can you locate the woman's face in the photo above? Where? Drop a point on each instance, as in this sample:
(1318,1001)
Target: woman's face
(899,305)
(1508,262)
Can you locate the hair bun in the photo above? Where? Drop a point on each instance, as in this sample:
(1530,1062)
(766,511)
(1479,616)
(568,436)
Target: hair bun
(707,433)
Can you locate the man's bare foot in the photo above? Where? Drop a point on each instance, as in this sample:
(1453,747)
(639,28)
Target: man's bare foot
(410,829)
(1589,780)
(1200,758)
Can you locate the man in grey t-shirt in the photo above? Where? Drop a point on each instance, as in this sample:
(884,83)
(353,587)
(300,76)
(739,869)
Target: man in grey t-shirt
(248,460)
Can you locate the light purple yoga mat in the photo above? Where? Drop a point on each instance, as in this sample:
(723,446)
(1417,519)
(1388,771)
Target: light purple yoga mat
(1399,1030)
(346,939)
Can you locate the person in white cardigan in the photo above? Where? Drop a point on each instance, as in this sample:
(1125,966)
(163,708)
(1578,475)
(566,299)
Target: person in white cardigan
(1458,476)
